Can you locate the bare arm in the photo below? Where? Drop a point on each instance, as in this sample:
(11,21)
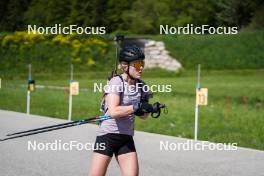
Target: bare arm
(114,109)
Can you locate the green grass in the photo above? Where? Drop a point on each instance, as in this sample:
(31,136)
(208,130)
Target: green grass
(243,51)
(238,53)
(244,123)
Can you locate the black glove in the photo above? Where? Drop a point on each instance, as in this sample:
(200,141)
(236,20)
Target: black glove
(141,108)
(156,107)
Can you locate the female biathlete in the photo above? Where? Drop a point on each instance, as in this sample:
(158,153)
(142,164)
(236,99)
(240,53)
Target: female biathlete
(124,99)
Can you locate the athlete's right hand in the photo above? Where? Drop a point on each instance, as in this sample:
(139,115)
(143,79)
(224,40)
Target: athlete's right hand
(142,107)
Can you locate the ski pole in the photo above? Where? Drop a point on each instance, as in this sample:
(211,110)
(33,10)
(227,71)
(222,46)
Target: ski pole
(55,127)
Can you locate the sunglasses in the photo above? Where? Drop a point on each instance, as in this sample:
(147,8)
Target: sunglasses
(138,64)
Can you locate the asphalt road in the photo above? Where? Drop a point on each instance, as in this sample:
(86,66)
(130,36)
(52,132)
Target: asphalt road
(16,158)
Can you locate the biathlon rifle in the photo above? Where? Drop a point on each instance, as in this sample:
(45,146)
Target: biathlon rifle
(118,41)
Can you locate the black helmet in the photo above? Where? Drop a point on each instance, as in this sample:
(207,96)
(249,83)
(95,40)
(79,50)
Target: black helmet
(131,53)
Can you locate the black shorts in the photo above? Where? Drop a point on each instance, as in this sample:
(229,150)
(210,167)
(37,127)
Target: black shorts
(117,144)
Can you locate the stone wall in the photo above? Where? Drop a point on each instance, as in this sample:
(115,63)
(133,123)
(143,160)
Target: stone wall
(158,57)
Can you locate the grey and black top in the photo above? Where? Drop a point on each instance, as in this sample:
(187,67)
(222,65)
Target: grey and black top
(129,94)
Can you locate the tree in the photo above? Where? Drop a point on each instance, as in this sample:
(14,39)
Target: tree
(146,16)
(193,12)
(13,11)
(257,21)
(235,12)
(37,13)
(3,13)
(112,18)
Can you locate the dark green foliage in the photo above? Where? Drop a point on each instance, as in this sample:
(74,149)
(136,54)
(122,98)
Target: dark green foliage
(12,14)
(137,16)
(236,12)
(257,21)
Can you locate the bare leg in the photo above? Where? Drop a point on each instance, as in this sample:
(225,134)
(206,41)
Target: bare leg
(129,164)
(99,164)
